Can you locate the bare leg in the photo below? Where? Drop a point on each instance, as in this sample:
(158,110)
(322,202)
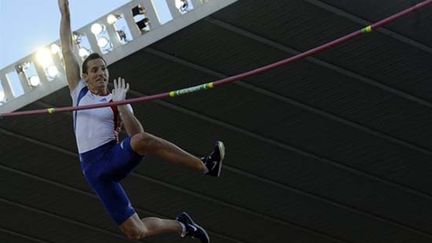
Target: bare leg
(136,228)
(156,226)
(147,144)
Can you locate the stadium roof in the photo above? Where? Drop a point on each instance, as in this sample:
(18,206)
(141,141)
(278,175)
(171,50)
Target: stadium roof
(334,148)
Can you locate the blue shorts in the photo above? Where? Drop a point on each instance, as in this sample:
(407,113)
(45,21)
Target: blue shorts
(104,167)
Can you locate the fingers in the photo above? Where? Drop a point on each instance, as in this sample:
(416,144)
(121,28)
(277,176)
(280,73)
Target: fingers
(120,83)
(123,83)
(120,89)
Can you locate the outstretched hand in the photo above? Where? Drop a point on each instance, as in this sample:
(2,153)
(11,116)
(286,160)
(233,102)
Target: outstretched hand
(120,89)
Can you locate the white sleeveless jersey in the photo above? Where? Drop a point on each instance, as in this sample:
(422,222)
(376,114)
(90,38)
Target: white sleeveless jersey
(94,127)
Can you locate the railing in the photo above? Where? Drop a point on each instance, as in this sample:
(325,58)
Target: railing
(115,35)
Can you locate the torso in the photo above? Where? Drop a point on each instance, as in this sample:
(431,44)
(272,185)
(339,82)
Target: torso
(93,127)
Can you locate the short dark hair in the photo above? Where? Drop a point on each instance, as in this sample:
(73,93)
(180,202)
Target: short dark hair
(89,58)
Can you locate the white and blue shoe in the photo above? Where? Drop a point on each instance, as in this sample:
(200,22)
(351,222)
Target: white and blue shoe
(213,162)
(192,229)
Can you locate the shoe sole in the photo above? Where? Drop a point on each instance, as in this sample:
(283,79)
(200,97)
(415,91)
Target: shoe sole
(221,148)
(196,225)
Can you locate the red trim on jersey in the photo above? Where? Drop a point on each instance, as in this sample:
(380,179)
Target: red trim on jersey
(117,122)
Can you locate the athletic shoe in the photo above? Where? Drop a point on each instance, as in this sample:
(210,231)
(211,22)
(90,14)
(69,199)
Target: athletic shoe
(213,162)
(192,229)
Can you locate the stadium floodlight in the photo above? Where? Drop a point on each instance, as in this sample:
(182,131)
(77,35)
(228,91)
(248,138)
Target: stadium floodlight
(112,18)
(44,58)
(82,43)
(52,72)
(22,67)
(102,37)
(34,81)
(183,6)
(55,49)
(2,96)
(97,28)
(103,42)
(83,52)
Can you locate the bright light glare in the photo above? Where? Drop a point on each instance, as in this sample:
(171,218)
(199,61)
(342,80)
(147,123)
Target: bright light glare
(103,42)
(52,71)
(34,81)
(111,19)
(178,3)
(55,49)
(43,57)
(2,96)
(83,52)
(97,28)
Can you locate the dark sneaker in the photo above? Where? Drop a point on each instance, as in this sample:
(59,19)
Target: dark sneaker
(192,229)
(213,162)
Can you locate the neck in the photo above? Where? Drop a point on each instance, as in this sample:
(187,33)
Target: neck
(101,92)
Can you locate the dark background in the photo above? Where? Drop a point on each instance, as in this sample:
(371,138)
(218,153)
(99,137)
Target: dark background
(335,148)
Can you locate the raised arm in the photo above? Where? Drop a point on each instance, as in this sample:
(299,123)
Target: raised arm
(73,73)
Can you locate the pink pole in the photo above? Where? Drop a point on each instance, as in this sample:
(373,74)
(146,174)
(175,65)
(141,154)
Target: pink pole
(237,77)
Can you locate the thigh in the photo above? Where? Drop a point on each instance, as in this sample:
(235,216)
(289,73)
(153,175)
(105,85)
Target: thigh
(123,159)
(113,198)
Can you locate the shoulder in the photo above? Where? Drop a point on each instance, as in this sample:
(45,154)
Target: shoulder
(80,85)
(78,92)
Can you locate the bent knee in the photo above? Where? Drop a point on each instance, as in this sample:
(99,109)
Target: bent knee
(144,143)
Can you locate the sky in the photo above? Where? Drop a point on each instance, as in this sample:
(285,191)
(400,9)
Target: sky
(27,25)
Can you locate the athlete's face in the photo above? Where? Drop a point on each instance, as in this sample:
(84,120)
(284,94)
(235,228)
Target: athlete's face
(97,76)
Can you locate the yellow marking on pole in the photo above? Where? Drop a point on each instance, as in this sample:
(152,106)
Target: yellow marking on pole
(367,29)
(51,110)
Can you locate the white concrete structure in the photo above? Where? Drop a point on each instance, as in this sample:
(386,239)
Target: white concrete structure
(42,73)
